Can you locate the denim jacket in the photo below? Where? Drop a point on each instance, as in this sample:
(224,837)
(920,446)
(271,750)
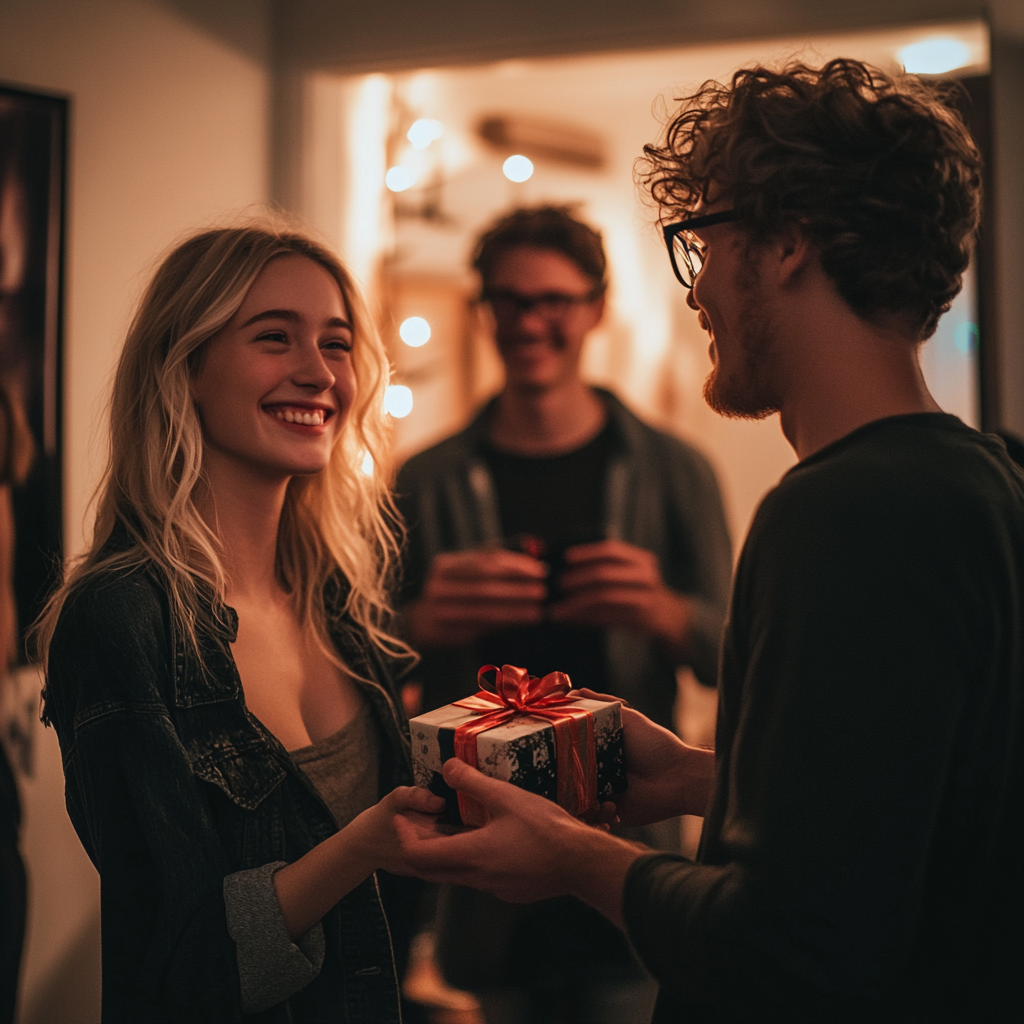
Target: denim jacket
(174,787)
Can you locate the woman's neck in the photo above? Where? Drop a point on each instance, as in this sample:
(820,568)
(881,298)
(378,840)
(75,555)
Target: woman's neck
(244,511)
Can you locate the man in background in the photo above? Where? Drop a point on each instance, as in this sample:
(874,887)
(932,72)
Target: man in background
(861,855)
(557,532)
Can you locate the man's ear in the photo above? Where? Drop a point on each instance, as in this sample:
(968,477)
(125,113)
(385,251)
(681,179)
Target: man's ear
(794,252)
(596,311)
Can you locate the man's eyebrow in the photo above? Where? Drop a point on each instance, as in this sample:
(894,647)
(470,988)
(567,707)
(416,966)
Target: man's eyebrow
(293,316)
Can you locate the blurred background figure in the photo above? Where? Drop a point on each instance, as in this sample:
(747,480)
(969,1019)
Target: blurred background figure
(16,451)
(557,532)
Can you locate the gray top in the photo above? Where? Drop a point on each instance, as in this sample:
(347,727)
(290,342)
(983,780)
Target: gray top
(344,767)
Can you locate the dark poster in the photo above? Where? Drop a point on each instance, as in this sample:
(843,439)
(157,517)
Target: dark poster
(32,160)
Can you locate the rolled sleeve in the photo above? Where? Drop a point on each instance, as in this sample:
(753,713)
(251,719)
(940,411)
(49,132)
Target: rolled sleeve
(270,966)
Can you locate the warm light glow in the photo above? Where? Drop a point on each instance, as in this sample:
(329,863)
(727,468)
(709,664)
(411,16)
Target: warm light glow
(517,168)
(424,131)
(367,464)
(415,331)
(398,401)
(934,56)
(398,179)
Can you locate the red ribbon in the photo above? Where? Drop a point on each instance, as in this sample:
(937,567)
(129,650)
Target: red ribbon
(516,693)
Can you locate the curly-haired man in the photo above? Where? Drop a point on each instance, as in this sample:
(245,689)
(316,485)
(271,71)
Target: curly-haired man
(864,809)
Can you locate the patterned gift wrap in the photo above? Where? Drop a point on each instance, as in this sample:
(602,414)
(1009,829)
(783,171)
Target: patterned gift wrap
(522,750)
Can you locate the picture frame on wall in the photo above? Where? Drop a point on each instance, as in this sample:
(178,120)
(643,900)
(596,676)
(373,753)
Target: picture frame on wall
(33,162)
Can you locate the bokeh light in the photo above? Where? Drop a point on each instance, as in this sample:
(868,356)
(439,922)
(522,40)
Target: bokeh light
(517,168)
(934,56)
(398,179)
(424,131)
(398,401)
(415,331)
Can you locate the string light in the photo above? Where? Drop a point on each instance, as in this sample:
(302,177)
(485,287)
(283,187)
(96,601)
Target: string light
(415,331)
(398,401)
(398,179)
(424,131)
(517,168)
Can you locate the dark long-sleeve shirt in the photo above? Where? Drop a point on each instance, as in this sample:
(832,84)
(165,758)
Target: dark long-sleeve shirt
(863,854)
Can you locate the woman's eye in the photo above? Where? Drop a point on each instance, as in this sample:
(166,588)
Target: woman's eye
(338,344)
(277,336)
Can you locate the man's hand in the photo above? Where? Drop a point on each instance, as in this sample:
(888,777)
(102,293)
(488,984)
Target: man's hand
(617,585)
(665,776)
(469,593)
(530,849)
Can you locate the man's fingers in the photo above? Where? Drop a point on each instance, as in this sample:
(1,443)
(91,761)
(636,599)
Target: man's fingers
(588,694)
(489,563)
(484,589)
(611,550)
(602,574)
(470,781)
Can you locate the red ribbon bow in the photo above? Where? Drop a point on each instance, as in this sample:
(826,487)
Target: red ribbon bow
(516,692)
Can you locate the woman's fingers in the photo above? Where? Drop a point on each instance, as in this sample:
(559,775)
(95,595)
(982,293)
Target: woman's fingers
(416,798)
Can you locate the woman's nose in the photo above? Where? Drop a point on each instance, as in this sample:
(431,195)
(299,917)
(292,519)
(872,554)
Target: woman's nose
(311,369)
(690,300)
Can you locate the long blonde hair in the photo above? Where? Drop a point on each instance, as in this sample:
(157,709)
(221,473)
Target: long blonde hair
(339,519)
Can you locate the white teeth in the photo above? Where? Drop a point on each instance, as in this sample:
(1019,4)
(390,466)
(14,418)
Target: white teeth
(309,419)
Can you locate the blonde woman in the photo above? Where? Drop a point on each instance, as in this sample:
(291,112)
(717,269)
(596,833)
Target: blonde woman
(219,669)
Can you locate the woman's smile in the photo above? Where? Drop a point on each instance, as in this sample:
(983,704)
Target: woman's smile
(299,415)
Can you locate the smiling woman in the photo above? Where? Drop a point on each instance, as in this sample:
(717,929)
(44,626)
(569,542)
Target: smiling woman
(219,667)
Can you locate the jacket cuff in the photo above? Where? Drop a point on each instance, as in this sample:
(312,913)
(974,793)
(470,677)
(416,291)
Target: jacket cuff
(270,966)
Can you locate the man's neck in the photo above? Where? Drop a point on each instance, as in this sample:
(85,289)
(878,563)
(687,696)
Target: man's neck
(845,374)
(546,421)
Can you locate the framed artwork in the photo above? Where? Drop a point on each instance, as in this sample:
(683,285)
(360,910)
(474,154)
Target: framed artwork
(33,143)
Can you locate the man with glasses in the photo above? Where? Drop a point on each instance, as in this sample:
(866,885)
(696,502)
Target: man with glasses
(558,532)
(862,849)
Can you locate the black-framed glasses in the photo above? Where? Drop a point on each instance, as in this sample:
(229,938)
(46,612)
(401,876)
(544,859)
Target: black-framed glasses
(685,250)
(507,305)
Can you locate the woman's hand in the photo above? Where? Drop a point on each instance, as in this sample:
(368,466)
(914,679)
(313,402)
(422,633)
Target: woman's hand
(373,833)
(310,886)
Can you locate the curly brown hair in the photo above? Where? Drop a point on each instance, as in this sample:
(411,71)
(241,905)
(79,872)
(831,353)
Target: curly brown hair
(879,171)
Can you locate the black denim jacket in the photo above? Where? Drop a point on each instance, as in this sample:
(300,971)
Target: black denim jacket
(172,785)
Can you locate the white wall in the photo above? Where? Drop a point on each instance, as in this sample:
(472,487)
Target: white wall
(168,132)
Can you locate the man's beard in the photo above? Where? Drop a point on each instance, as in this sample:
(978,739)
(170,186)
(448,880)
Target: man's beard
(750,391)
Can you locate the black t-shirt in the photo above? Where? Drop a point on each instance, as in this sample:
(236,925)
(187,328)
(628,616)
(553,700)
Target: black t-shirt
(861,857)
(547,504)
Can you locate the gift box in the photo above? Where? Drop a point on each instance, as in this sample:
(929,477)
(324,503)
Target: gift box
(527,731)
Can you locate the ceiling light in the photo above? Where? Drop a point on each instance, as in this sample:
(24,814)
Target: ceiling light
(398,179)
(935,56)
(398,401)
(517,168)
(424,131)
(415,331)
